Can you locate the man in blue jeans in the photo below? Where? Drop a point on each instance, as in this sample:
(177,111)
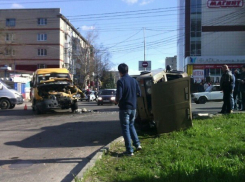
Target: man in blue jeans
(126,98)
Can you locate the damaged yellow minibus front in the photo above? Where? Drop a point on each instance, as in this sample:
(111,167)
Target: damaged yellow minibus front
(52,88)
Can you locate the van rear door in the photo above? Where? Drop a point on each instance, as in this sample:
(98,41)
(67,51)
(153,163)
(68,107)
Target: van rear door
(171,105)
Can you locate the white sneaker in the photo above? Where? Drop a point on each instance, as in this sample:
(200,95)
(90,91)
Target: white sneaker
(139,147)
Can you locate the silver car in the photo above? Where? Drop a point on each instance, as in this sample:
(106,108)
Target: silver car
(9,97)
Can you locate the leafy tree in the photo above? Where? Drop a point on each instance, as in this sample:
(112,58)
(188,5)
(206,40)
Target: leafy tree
(108,80)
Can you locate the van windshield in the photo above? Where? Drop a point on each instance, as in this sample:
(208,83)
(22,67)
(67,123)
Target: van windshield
(50,76)
(6,85)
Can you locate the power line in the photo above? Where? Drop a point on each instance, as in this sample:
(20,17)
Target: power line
(52,1)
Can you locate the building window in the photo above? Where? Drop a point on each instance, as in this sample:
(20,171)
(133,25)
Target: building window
(9,37)
(9,52)
(10,22)
(42,37)
(41,66)
(195,48)
(196,27)
(42,21)
(42,52)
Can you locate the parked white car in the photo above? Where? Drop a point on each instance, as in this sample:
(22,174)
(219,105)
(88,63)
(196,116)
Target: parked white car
(211,94)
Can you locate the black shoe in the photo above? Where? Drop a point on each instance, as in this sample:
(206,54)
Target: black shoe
(221,112)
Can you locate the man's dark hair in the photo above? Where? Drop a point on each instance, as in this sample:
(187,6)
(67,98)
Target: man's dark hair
(123,68)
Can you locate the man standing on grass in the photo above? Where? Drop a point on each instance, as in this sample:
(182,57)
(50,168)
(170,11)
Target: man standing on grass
(126,98)
(242,88)
(227,86)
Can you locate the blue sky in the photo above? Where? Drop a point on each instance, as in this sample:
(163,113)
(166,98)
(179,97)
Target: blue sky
(120,25)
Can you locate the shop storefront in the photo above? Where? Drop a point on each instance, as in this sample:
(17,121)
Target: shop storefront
(210,68)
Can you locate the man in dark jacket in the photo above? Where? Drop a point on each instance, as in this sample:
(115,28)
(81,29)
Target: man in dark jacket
(242,87)
(236,93)
(227,86)
(126,98)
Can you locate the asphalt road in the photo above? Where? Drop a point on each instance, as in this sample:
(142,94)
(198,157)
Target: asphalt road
(56,146)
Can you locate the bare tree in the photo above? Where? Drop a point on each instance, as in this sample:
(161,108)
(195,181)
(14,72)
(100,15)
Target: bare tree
(93,60)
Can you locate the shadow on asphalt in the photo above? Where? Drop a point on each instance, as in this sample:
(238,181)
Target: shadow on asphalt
(106,110)
(15,163)
(75,134)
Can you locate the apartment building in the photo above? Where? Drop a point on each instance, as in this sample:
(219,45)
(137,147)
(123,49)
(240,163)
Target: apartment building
(211,34)
(40,38)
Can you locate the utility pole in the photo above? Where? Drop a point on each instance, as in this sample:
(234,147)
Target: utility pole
(144,47)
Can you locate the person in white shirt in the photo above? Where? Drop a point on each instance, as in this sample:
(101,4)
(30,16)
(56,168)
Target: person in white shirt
(205,86)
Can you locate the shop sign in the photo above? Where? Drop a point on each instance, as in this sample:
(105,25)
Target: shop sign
(216,66)
(224,3)
(20,80)
(216,60)
(198,75)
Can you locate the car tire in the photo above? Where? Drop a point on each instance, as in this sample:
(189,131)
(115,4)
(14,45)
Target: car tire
(197,102)
(4,104)
(12,106)
(202,100)
(74,107)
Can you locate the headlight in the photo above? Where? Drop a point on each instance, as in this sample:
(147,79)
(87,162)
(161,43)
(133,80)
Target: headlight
(148,83)
(113,98)
(99,98)
(148,90)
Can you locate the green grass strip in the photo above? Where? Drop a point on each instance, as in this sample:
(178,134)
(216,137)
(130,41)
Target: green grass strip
(212,150)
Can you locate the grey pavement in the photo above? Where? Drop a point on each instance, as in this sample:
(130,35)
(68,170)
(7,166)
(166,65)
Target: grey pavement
(51,147)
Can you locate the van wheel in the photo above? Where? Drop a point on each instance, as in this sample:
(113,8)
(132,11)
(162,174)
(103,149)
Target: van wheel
(74,107)
(202,100)
(36,110)
(12,106)
(33,105)
(4,104)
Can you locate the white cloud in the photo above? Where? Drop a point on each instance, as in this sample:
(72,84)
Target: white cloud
(130,1)
(145,2)
(16,6)
(88,27)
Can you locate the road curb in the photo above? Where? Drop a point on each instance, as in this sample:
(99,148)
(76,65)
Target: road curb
(97,157)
